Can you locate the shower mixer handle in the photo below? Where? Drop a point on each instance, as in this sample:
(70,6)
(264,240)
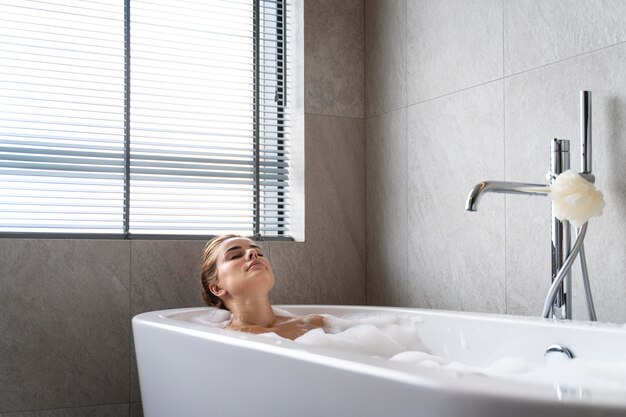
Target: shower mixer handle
(585,132)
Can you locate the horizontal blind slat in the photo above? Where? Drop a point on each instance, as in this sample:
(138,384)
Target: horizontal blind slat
(61,154)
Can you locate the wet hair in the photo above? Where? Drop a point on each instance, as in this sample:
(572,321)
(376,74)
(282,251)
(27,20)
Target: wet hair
(209,270)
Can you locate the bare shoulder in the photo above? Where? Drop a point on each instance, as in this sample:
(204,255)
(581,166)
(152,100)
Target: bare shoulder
(311,319)
(314,320)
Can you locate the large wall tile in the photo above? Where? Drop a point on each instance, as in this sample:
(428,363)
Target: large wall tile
(165,274)
(452,45)
(543,104)
(64,323)
(329,267)
(538,32)
(113,410)
(456,258)
(331,271)
(386,198)
(334,56)
(385,55)
(136,410)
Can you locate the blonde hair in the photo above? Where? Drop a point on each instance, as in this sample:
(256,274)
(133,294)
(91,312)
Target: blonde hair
(209,270)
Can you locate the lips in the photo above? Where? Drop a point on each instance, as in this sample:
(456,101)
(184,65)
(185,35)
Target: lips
(253,264)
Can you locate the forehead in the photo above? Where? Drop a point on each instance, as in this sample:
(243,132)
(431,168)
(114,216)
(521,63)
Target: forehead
(236,242)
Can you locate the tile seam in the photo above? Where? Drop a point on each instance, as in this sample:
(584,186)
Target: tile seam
(558,61)
(406,139)
(365,105)
(76,407)
(506,282)
(501,78)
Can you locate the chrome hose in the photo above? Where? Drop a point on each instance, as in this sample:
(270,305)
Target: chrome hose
(588,298)
(567,265)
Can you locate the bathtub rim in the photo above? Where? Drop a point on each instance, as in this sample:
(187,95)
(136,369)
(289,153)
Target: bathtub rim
(471,385)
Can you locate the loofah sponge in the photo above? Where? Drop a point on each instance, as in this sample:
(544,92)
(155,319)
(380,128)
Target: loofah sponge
(575,199)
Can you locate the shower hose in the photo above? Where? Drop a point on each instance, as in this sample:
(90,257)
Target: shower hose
(578,249)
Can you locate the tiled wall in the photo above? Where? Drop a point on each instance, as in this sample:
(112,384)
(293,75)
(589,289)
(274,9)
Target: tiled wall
(65,305)
(459,92)
(444,94)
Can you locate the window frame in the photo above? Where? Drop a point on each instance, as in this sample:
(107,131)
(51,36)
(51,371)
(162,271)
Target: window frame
(281,99)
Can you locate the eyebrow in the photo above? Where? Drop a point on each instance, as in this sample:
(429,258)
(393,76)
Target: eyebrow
(239,247)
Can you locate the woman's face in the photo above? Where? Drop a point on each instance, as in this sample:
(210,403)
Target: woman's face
(242,271)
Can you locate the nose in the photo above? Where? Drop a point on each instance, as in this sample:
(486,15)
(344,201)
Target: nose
(251,254)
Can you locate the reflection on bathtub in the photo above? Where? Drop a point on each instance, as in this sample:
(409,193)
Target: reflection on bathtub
(373,361)
(396,337)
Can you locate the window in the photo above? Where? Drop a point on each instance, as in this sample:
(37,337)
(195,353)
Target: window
(143,118)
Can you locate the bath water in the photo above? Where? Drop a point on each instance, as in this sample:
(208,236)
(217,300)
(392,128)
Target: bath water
(396,337)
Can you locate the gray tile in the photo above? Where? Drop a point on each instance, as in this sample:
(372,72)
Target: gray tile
(334,57)
(386,198)
(136,410)
(452,45)
(456,258)
(329,267)
(541,32)
(527,253)
(165,274)
(335,184)
(385,55)
(112,410)
(543,104)
(328,271)
(134,390)
(64,323)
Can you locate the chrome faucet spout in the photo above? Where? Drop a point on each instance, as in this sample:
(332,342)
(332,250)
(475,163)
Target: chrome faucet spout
(471,204)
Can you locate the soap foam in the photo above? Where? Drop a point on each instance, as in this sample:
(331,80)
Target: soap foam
(214,317)
(396,337)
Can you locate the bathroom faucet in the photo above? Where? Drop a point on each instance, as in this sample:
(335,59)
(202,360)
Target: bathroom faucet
(561,308)
(504,187)
(561,232)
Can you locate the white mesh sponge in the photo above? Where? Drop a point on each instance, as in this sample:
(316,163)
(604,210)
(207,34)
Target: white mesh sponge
(575,199)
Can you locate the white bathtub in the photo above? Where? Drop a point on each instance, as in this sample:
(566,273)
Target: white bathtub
(187,369)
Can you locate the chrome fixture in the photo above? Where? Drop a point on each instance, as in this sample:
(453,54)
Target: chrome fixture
(558,303)
(505,187)
(557,351)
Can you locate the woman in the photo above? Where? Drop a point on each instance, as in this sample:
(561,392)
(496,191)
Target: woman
(237,277)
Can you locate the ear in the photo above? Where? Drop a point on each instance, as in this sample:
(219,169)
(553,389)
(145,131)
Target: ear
(216,289)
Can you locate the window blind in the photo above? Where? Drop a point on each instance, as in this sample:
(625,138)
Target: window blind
(61,117)
(143,117)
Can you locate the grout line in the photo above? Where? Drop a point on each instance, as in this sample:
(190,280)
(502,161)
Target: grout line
(374,115)
(333,115)
(496,79)
(566,59)
(506,286)
(365,97)
(365,211)
(455,92)
(406,140)
(77,407)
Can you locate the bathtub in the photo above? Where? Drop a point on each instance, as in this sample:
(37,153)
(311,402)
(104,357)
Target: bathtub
(188,369)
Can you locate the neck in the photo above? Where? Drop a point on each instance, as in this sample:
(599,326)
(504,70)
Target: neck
(252,312)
